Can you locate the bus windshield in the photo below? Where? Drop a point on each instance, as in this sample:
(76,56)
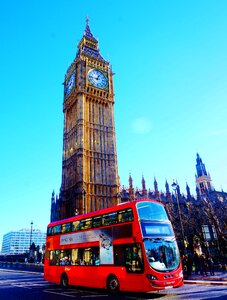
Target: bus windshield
(151,211)
(158,236)
(162,254)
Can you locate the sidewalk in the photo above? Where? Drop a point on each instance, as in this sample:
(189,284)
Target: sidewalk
(220,278)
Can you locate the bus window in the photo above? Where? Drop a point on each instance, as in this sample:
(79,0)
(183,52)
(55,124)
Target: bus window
(151,211)
(49,231)
(96,221)
(75,257)
(129,256)
(60,257)
(134,260)
(109,219)
(125,215)
(56,229)
(85,224)
(65,257)
(66,228)
(75,225)
(85,256)
(91,256)
(55,257)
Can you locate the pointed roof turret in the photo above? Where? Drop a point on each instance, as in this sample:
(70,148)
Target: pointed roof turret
(144,190)
(200,166)
(87,32)
(203,179)
(53,197)
(168,194)
(155,184)
(143,183)
(131,189)
(188,191)
(157,196)
(167,187)
(130,181)
(88,45)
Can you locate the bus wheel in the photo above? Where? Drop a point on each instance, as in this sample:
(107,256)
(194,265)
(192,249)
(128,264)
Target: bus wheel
(112,284)
(64,281)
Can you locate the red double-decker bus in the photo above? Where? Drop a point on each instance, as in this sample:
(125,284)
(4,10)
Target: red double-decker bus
(128,247)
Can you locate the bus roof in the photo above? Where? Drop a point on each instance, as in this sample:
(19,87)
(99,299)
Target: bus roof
(103,211)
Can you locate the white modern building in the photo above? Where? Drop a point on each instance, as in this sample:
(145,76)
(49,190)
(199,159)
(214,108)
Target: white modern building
(18,242)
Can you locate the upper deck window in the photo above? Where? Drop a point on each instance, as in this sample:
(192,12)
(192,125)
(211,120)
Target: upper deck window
(85,224)
(125,215)
(76,225)
(56,229)
(49,230)
(112,218)
(151,211)
(97,221)
(109,219)
(66,228)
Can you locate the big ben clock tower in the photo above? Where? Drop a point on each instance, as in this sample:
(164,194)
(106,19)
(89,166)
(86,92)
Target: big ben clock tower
(89,165)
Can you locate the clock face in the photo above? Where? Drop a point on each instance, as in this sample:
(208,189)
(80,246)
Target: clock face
(70,83)
(97,78)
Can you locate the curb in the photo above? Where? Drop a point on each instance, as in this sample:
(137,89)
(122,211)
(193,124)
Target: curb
(21,271)
(207,282)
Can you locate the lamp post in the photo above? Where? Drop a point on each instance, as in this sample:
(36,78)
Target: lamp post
(31,234)
(30,248)
(175,188)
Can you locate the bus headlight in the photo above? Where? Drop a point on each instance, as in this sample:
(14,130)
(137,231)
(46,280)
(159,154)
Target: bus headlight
(151,277)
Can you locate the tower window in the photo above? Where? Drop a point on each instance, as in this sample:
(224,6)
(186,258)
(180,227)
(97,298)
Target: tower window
(201,185)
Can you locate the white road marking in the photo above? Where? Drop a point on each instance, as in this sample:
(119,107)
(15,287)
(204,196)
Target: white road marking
(96,295)
(59,293)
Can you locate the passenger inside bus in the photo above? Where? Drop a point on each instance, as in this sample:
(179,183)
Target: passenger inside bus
(129,256)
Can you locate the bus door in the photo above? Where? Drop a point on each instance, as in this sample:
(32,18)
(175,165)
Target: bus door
(130,256)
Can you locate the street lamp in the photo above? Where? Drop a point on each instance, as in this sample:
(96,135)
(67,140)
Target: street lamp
(175,188)
(31,234)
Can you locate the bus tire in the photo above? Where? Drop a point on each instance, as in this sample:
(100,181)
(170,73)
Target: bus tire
(64,280)
(112,284)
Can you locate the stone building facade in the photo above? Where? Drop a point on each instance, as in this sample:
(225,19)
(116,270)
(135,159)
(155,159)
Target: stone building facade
(89,166)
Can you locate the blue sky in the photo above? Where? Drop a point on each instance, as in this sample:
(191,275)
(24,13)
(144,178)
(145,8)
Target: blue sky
(170,65)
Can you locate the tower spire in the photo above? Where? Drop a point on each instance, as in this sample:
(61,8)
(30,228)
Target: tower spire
(200,166)
(156,191)
(87,32)
(203,179)
(88,45)
(188,191)
(130,181)
(144,190)
(131,189)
